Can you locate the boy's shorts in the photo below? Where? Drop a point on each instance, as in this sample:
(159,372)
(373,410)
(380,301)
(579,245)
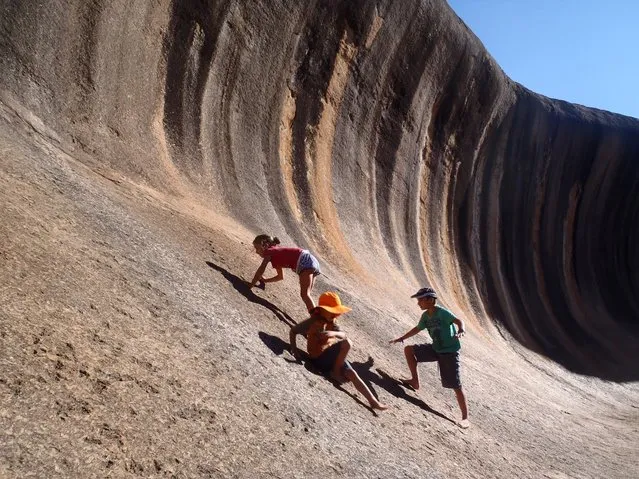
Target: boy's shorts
(448,364)
(307,261)
(325,361)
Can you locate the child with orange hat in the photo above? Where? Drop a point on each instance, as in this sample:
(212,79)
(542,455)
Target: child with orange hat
(328,346)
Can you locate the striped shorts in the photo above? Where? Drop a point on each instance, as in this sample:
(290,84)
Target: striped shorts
(307,261)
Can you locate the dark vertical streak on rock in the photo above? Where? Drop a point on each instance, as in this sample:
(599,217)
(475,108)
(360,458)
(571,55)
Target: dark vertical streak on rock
(274,175)
(90,13)
(571,321)
(316,53)
(317,50)
(468,127)
(404,76)
(184,88)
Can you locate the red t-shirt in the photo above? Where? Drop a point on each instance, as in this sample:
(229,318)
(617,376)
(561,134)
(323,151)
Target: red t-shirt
(282,257)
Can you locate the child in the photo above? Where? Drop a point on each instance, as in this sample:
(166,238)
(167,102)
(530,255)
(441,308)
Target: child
(327,345)
(444,349)
(297,259)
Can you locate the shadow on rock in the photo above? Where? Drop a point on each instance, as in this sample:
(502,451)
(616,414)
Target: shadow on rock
(392,385)
(241,287)
(279,346)
(274,343)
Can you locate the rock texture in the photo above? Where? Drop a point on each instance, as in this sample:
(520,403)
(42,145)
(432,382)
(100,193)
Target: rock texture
(382,136)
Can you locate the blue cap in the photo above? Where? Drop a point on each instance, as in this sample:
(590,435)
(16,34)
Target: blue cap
(425,293)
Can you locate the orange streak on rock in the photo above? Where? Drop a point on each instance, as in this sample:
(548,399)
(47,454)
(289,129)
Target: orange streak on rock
(320,155)
(375,27)
(286,154)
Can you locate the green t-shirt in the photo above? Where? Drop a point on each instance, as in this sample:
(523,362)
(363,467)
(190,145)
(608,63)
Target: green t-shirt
(441,329)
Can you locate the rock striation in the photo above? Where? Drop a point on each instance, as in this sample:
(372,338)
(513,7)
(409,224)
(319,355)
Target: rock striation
(376,132)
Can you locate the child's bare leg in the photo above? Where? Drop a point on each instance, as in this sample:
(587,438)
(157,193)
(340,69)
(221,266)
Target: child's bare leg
(461,400)
(361,387)
(306,284)
(411,360)
(344,348)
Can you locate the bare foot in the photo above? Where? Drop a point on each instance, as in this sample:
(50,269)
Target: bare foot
(378,405)
(410,383)
(464,424)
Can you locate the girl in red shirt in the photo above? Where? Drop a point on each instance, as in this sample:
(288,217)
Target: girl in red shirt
(299,260)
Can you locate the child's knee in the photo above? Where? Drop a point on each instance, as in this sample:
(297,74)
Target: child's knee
(349,374)
(408,351)
(346,344)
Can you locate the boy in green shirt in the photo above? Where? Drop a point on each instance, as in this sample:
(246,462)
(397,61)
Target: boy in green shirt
(444,349)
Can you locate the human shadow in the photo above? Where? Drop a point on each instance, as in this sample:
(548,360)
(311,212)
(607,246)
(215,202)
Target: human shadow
(392,385)
(274,343)
(241,287)
(279,346)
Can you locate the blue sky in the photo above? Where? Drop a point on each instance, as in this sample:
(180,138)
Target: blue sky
(584,52)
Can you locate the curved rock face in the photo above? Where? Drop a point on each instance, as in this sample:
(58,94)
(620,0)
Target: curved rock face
(377,133)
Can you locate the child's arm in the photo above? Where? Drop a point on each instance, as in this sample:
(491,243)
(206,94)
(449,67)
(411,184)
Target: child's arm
(409,334)
(335,334)
(460,327)
(334,331)
(259,272)
(278,277)
(300,328)
(293,340)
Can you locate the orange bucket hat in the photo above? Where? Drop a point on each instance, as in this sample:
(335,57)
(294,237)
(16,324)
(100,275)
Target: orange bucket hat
(330,302)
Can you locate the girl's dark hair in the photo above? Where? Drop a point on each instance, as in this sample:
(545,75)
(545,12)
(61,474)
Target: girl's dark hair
(266,240)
